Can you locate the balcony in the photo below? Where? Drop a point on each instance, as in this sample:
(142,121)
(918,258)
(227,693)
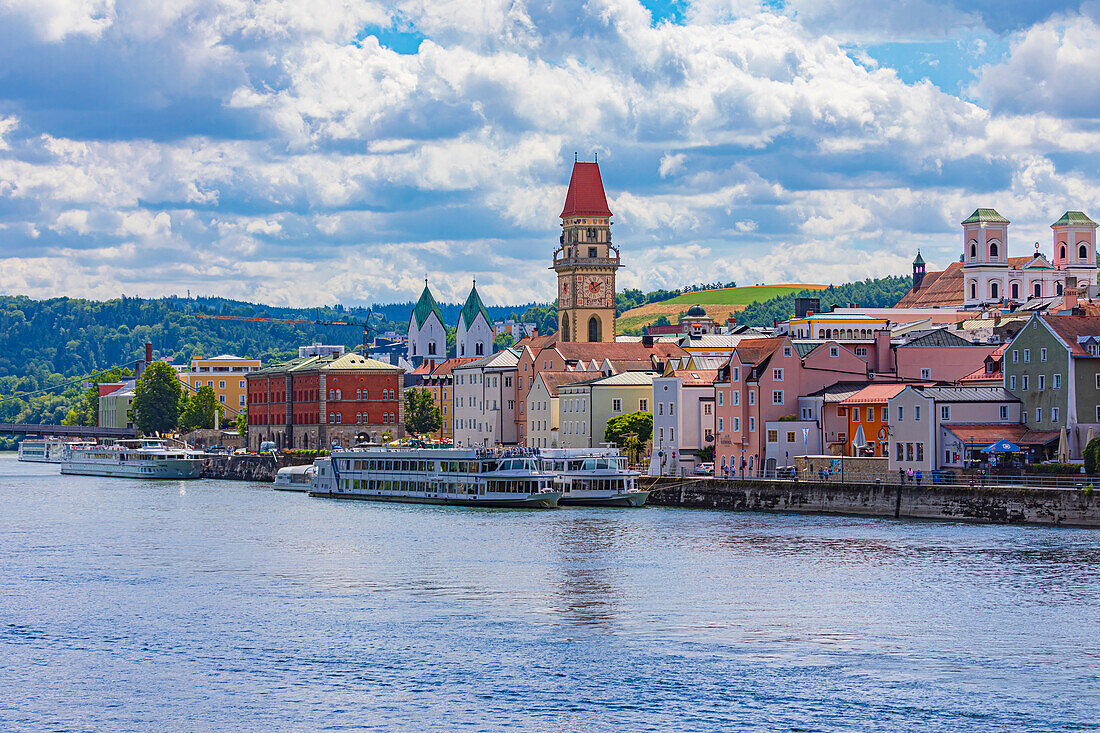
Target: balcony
(576,261)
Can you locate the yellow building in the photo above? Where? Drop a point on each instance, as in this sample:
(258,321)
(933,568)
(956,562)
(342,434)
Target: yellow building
(839,326)
(226,374)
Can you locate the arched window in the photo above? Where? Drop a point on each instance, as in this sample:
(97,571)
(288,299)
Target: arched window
(1038,290)
(339,418)
(973,251)
(973,291)
(992,250)
(462,349)
(564,329)
(1058,288)
(332,394)
(994,291)
(331,418)
(1015,291)
(1062,251)
(1083,253)
(338,397)
(358,394)
(594,335)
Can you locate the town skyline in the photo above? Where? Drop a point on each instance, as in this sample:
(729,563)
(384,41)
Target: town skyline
(260,155)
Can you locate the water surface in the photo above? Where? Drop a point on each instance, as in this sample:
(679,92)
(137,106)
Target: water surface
(192,606)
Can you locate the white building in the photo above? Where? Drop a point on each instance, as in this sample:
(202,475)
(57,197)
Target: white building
(427,334)
(474,335)
(485,400)
(319,349)
(683,420)
(543,415)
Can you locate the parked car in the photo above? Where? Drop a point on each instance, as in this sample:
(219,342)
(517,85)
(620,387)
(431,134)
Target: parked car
(704,469)
(217,449)
(788,472)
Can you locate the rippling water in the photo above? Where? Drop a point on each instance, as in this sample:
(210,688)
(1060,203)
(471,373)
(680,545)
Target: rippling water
(202,605)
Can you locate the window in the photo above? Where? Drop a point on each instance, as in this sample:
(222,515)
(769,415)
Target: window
(1012,381)
(1004,412)
(773,436)
(752,424)
(920,451)
(777,375)
(1042,354)
(736,399)
(945,412)
(332,417)
(777,397)
(221,398)
(241,401)
(720,394)
(1038,415)
(908,451)
(861,351)
(737,425)
(1042,381)
(708,409)
(1015,356)
(855,414)
(1023,381)
(1056,381)
(672,408)
(735,375)
(643,405)
(870,414)
(786,352)
(834,351)
(660,408)
(722,423)
(926,373)
(221,384)
(1083,253)
(1054,414)
(899,452)
(1027,356)
(616,405)
(241,384)
(993,250)
(901,413)
(947,456)
(752,398)
(332,394)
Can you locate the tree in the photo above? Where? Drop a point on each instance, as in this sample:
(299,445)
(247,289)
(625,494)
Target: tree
(634,423)
(156,405)
(705,454)
(1092,456)
(421,414)
(85,410)
(200,410)
(242,421)
(502,341)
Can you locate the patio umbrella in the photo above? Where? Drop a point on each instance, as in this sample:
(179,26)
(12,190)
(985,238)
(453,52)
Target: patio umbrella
(1063,446)
(1002,446)
(859,439)
(1088,437)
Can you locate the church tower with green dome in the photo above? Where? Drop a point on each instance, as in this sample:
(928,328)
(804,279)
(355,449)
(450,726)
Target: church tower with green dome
(427,334)
(474,335)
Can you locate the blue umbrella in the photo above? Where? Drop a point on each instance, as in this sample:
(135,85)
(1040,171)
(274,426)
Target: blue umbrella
(1002,446)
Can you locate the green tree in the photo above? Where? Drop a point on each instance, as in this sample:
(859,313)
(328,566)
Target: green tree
(1092,456)
(200,410)
(421,414)
(242,421)
(156,405)
(502,341)
(633,423)
(705,454)
(85,409)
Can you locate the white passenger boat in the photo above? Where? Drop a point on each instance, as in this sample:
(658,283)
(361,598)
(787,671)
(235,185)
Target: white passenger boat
(593,477)
(143,458)
(295,478)
(466,477)
(47,450)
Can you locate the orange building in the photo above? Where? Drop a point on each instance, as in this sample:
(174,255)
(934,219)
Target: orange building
(226,375)
(868,421)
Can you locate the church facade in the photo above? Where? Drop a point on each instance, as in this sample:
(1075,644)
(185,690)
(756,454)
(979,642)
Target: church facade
(986,276)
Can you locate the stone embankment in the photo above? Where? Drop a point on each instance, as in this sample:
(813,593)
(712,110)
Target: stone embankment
(248,467)
(1000,504)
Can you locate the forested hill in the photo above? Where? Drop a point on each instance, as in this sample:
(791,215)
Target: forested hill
(880,293)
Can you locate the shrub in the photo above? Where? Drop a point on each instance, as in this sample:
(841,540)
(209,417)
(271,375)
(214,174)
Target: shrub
(1058,469)
(1092,453)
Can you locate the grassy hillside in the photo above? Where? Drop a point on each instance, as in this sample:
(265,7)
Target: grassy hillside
(719,304)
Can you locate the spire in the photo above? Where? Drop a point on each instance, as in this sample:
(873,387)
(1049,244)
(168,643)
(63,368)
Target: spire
(425,307)
(919,260)
(586,196)
(472,308)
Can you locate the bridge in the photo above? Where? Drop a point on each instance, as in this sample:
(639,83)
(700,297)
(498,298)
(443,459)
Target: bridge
(71,431)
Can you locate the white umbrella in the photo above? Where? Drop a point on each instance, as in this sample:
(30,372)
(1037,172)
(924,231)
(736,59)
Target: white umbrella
(859,439)
(1063,446)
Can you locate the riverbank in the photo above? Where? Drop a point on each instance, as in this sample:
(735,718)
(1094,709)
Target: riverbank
(999,504)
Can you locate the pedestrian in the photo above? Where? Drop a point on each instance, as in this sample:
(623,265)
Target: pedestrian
(909,475)
(918,477)
(901,475)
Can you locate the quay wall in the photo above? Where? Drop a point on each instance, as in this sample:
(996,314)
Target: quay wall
(260,468)
(998,504)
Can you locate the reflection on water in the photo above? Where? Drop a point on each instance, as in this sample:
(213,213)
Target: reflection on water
(211,606)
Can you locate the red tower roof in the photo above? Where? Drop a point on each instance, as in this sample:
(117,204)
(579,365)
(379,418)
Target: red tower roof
(586,196)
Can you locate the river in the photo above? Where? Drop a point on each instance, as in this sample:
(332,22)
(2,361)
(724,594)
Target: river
(208,606)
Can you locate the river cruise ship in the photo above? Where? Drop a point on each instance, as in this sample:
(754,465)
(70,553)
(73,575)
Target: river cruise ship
(47,450)
(295,478)
(593,477)
(144,458)
(465,477)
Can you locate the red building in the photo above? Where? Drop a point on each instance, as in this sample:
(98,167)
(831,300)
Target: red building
(314,401)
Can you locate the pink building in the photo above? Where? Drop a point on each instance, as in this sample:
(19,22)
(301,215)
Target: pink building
(761,382)
(937,355)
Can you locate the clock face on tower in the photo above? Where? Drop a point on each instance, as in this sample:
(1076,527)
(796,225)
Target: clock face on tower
(565,297)
(594,291)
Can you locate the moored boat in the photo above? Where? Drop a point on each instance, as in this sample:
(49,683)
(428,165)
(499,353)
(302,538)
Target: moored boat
(593,477)
(47,450)
(295,478)
(464,477)
(150,458)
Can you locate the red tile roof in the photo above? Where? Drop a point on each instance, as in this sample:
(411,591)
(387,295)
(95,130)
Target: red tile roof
(586,196)
(944,288)
(875,394)
(553,380)
(444,369)
(696,377)
(1068,328)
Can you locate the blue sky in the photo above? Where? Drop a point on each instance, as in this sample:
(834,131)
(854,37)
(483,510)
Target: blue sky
(319,151)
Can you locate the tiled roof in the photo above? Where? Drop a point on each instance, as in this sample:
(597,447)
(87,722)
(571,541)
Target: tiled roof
(967,394)
(502,359)
(586,195)
(444,368)
(425,307)
(350,361)
(938,289)
(553,380)
(988,434)
(875,394)
(1074,218)
(838,392)
(618,352)
(472,308)
(1068,328)
(753,351)
(985,216)
(696,377)
(940,337)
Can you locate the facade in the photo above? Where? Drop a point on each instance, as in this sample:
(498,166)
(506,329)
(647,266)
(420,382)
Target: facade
(474,334)
(824,410)
(515,329)
(1053,367)
(114,406)
(683,419)
(939,355)
(925,425)
(786,440)
(762,382)
(427,334)
(318,401)
(585,261)
(485,400)
(226,374)
(844,327)
(868,429)
(587,406)
(440,382)
(988,276)
(542,411)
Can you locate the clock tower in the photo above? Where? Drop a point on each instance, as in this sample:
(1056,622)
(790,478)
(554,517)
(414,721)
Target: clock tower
(586,261)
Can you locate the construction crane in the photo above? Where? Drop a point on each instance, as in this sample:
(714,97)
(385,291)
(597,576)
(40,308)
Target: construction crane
(365,325)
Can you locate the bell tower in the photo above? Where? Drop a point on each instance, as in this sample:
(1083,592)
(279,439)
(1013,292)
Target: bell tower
(586,261)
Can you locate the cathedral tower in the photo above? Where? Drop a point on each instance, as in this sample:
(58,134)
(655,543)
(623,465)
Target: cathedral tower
(586,261)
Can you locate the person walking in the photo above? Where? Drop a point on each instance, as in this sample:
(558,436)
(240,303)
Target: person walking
(901,475)
(919,476)
(909,475)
